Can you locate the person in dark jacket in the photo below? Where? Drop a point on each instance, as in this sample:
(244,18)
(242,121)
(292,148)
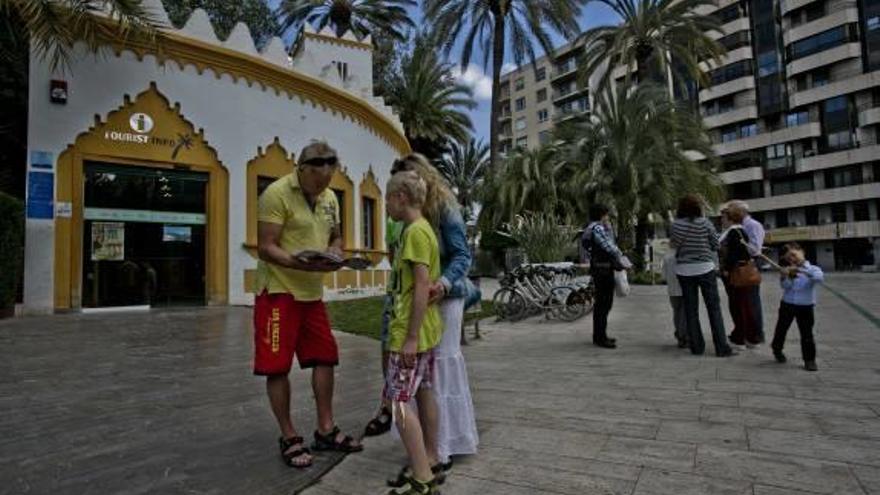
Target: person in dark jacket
(735,252)
(605,258)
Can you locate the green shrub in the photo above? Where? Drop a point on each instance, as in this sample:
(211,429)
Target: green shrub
(542,237)
(11,247)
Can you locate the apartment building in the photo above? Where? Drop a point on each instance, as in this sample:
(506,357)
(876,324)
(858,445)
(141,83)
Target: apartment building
(536,97)
(794,112)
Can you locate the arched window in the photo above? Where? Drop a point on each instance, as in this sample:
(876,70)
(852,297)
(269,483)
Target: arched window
(263,170)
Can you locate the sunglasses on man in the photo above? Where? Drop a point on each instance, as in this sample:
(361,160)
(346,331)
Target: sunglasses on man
(322,162)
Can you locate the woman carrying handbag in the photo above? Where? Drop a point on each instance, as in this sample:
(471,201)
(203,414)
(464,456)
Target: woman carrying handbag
(740,277)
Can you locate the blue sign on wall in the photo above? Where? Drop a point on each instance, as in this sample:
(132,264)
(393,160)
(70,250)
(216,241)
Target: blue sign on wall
(40,197)
(42,159)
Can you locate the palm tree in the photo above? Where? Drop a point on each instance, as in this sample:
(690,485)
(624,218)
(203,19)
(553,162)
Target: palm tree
(361,17)
(653,34)
(53,27)
(495,26)
(431,104)
(631,156)
(526,181)
(464,167)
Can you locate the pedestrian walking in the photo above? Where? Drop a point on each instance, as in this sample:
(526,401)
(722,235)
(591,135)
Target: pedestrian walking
(696,241)
(414,332)
(605,259)
(457,425)
(299,213)
(798,282)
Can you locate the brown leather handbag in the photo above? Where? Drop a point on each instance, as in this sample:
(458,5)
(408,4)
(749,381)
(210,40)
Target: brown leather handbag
(745,274)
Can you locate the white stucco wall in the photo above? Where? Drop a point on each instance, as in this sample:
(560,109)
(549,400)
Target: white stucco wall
(236,118)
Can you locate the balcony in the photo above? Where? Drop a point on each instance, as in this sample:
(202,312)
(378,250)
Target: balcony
(560,96)
(565,115)
(822,24)
(790,5)
(780,167)
(762,140)
(735,26)
(836,88)
(870,116)
(820,197)
(839,158)
(826,232)
(744,53)
(742,175)
(823,58)
(748,112)
(730,87)
(564,71)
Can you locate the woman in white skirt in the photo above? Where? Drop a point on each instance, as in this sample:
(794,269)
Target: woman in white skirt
(457,428)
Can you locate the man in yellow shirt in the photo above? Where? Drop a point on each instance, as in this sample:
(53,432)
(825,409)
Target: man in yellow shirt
(299,213)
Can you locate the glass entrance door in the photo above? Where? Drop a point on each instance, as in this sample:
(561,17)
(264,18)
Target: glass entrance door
(144,236)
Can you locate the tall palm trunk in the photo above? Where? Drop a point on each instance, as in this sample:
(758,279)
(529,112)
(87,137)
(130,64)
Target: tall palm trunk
(497,63)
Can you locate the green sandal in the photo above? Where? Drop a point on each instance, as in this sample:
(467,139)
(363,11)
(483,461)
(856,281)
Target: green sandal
(405,475)
(416,487)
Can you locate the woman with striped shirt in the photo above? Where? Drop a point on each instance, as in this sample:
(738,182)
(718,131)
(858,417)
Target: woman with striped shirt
(696,241)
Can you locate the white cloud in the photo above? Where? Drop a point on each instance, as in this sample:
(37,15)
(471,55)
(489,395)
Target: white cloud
(475,79)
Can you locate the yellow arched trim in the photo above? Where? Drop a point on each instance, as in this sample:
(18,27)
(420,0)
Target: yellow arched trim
(193,153)
(188,51)
(370,189)
(342,182)
(275,163)
(335,40)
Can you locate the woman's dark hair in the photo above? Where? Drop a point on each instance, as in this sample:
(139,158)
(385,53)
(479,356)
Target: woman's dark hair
(597,211)
(690,206)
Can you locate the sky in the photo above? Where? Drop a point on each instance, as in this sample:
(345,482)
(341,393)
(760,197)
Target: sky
(480,79)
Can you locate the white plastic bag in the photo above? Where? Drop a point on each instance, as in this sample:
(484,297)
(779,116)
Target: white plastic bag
(621,284)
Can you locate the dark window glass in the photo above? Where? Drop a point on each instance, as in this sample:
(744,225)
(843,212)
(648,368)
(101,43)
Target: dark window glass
(728,14)
(843,177)
(732,71)
(141,188)
(838,212)
(792,185)
(541,74)
(812,215)
(746,190)
(819,42)
(736,40)
(340,198)
(368,227)
(781,218)
(541,95)
(861,212)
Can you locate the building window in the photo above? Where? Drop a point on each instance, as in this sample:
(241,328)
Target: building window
(841,140)
(541,74)
(792,185)
(748,130)
(519,84)
(844,177)
(544,137)
(811,215)
(520,124)
(520,104)
(729,134)
(732,71)
(543,115)
(522,142)
(262,171)
(368,229)
(838,212)
(797,118)
(541,95)
(818,43)
(781,218)
(343,222)
(861,211)
(746,190)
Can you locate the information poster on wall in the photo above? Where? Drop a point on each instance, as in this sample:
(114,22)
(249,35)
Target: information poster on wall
(108,241)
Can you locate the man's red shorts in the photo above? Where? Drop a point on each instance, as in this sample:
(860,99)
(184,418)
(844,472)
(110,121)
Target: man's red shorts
(284,327)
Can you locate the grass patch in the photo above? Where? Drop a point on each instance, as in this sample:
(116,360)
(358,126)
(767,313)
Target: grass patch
(364,316)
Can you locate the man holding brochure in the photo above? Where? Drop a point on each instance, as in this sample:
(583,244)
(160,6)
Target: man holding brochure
(299,241)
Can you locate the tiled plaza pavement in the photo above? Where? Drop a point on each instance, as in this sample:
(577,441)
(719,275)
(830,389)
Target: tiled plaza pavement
(163,402)
(560,416)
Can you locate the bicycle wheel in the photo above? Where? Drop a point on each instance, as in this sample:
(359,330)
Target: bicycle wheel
(575,306)
(509,305)
(555,302)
